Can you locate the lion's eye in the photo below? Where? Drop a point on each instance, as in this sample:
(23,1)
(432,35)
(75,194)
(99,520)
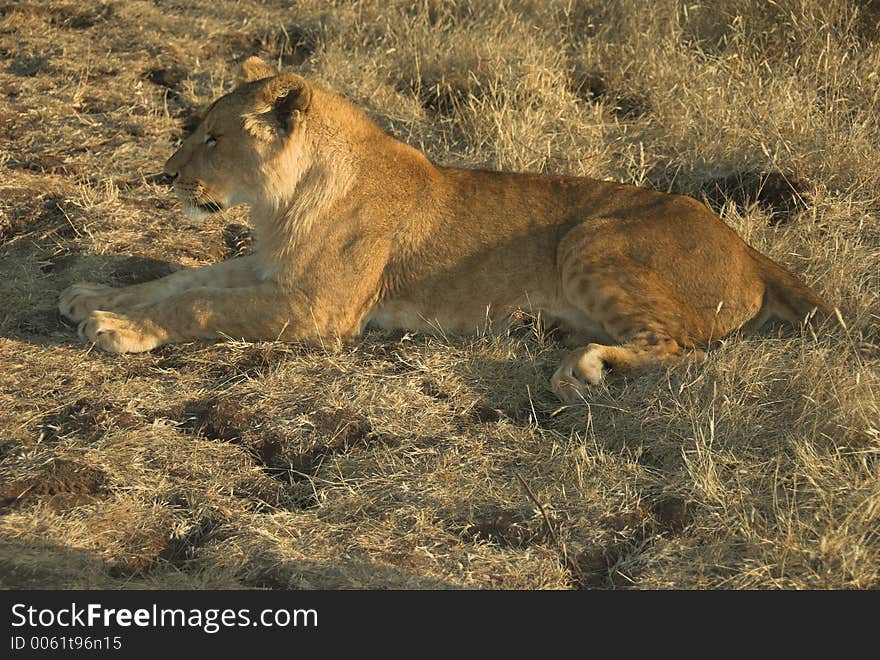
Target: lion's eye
(210,140)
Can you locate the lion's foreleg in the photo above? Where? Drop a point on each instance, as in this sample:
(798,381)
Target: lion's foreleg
(81,299)
(261,312)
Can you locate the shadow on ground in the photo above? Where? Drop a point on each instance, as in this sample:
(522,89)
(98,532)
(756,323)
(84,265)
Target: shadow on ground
(48,566)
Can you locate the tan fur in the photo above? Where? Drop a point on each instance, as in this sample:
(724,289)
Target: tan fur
(356,227)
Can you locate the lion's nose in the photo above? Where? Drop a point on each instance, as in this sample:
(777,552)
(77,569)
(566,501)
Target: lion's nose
(173,165)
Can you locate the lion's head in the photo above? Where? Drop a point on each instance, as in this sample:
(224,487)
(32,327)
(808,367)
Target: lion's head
(249,147)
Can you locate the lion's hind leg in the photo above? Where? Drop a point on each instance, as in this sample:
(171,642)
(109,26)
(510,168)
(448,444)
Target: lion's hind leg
(586,366)
(642,316)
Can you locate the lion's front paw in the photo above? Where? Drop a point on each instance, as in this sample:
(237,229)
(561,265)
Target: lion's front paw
(81,299)
(118,334)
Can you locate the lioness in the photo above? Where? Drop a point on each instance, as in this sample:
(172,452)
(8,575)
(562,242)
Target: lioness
(356,227)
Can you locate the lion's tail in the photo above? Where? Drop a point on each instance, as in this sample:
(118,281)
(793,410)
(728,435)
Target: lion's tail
(787,297)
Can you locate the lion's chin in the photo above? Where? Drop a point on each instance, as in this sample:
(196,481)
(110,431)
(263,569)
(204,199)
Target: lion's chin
(200,211)
(194,212)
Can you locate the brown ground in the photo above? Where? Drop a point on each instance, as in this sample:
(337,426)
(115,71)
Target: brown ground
(416,462)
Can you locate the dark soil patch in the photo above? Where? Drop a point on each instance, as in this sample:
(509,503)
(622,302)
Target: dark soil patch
(507,528)
(179,550)
(76,16)
(84,19)
(450,14)
(40,322)
(86,419)
(134,130)
(251,362)
(782,195)
(168,77)
(57,265)
(344,426)
(27,66)
(11,126)
(18,210)
(609,565)
(23,210)
(231,45)
(595,564)
(152,203)
(334,431)
(284,455)
(535,414)
(134,270)
(431,388)
(92,105)
(868,23)
(49,164)
(61,483)
(485,414)
(10,90)
(212,418)
(591,86)
(672,513)
(295,45)
(441,98)
(600,566)
(631,106)
(60,216)
(626,520)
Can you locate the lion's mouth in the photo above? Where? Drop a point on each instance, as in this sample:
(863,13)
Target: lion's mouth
(196,200)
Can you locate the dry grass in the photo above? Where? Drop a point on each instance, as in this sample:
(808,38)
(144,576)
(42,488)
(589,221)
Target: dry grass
(400,461)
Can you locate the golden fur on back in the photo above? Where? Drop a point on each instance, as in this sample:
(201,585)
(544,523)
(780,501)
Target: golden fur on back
(356,227)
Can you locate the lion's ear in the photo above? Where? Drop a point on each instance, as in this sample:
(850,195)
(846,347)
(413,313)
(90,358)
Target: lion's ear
(279,103)
(288,95)
(253,68)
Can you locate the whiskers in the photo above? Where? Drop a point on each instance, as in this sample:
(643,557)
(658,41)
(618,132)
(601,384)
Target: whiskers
(197,201)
